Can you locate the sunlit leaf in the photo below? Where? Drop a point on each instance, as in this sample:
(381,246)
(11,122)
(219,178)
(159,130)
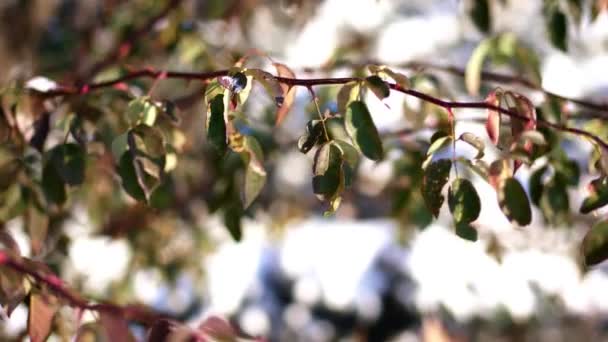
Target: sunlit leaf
(438,143)
(361,129)
(348,93)
(150,141)
(436,176)
(514,202)
(463,201)
(350,154)
(142,111)
(595,244)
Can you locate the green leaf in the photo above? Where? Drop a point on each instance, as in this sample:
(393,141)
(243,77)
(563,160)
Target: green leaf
(536,185)
(463,201)
(474,67)
(69,162)
(598,196)
(53,185)
(142,111)
(514,202)
(378,87)
(255,174)
(474,141)
(327,170)
(480,13)
(555,203)
(436,175)
(595,244)
(232,220)
(465,231)
(150,141)
(216,124)
(361,129)
(128,175)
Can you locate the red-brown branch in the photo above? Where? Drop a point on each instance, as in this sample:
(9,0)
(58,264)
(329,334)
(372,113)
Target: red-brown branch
(308,83)
(55,284)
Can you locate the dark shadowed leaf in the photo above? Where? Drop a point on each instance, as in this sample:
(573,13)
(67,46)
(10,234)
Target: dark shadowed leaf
(216,124)
(40,317)
(557,26)
(378,86)
(313,136)
(126,170)
(537,185)
(514,202)
(69,163)
(361,129)
(465,231)
(598,195)
(463,201)
(480,13)
(232,220)
(436,175)
(595,244)
(53,185)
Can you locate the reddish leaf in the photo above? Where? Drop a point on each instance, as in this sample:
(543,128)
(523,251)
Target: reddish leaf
(289,92)
(493,122)
(115,327)
(217,328)
(40,317)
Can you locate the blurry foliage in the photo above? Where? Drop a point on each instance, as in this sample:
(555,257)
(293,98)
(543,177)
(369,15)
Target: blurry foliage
(151,160)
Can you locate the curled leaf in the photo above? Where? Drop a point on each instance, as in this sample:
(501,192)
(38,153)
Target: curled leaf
(216,124)
(377,86)
(474,141)
(289,92)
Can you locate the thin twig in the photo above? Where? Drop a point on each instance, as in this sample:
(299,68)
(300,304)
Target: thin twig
(121,49)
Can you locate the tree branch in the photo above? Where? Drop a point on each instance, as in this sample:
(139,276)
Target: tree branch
(135,313)
(122,49)
(204,76)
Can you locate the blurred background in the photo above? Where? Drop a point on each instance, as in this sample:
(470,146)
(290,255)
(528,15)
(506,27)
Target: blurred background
(381,268)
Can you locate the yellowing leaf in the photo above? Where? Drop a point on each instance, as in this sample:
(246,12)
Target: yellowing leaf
(289,92)
(436,175)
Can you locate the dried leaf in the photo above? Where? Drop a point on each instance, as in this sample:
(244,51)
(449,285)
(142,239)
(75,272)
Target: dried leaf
(40,317)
